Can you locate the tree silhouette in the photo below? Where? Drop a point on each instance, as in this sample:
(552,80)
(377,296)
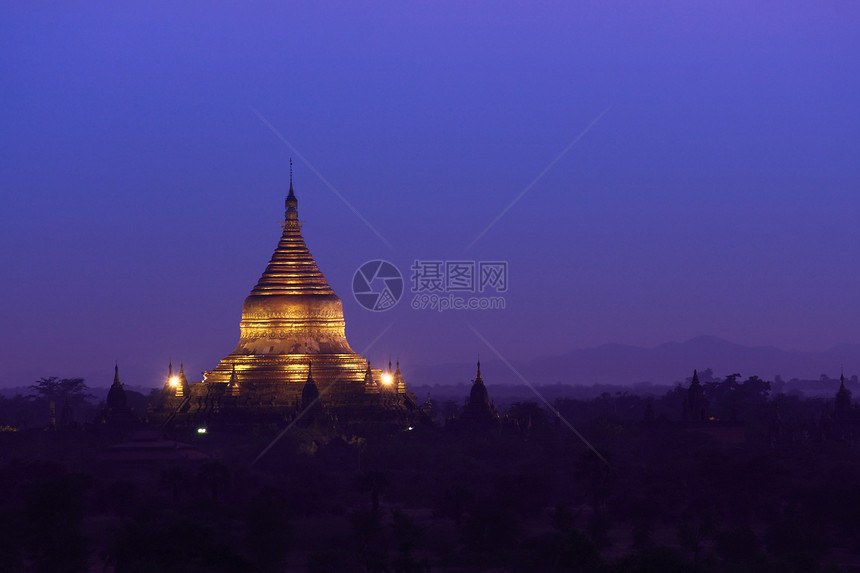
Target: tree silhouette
(52,518)
(10,540)
(692,535)
(722,397)
(373,481)
(172,543)
(456,499)
(214,474)
(570,552)
(53,389)
(176,477)
(490,526)
(596,477)
(267,529)
(527,416)
(738,545)
(366,529)
(120,497)
(797,540)
(406,533)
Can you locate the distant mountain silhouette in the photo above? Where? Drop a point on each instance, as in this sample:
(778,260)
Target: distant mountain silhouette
(666,364)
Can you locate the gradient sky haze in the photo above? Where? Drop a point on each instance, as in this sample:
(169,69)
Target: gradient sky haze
(718,194)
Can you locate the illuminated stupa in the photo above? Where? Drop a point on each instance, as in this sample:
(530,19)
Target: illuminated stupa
(292,319)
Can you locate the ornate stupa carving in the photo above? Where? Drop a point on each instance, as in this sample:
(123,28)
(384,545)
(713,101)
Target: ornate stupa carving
(291,318)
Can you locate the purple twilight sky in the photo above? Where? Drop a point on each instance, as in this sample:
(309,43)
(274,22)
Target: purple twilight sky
(718,194)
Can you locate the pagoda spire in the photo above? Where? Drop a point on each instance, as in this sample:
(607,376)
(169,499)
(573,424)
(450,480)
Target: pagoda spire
(398,379)
(310,392)
(843,399)
(116,400)
(292,269)
(695,404)
(478,394)
(233,384)
(182,386)
(292,204)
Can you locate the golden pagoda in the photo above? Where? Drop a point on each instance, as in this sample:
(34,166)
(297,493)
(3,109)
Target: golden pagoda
(292,321)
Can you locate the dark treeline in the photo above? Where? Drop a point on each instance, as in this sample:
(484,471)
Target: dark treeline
(48,400)
(745,479)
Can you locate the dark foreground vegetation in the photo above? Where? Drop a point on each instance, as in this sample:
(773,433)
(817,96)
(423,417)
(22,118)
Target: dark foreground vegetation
(761,482)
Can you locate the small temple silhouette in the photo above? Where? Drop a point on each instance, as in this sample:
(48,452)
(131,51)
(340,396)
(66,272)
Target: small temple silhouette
(842,405)
(117,416)
(842,427)
(478,408)
(478,412)
(291,318)
(695,403)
